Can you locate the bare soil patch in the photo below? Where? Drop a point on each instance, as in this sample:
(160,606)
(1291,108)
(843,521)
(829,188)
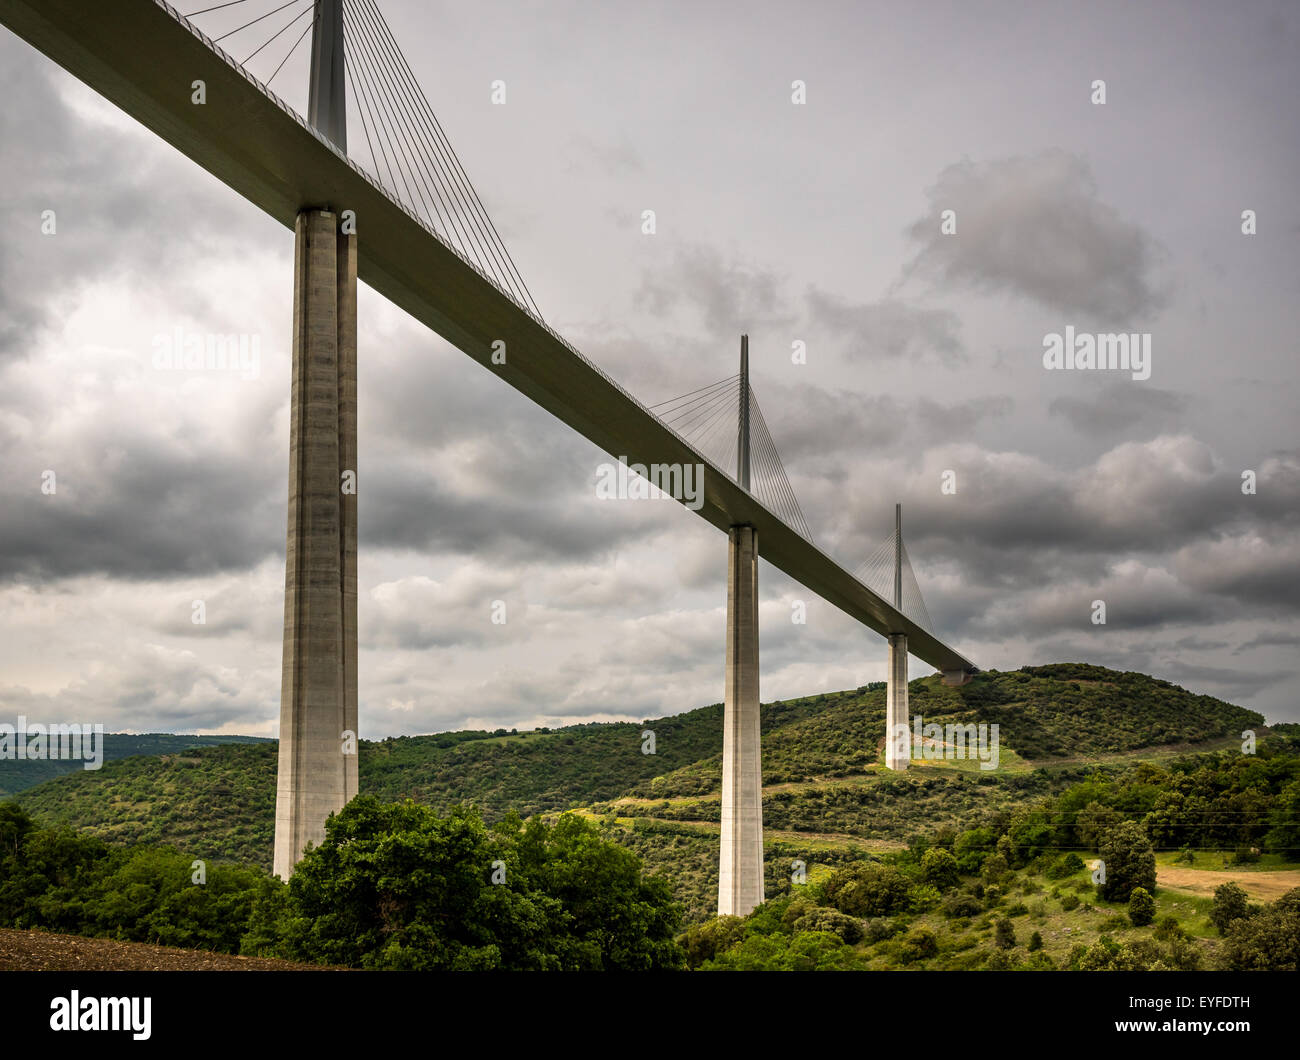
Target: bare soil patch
(41,951)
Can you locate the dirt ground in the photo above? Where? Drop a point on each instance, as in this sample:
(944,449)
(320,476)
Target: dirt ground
(1262,886)
(40,951)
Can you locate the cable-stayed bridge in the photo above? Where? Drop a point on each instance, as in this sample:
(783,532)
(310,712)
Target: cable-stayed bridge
(402,215)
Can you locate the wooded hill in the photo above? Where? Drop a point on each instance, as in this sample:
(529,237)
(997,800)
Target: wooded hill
(827,794)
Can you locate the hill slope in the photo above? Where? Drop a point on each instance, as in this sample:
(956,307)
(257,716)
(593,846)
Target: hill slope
(16,776)
(821,768)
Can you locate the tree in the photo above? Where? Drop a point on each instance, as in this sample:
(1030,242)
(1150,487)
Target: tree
(1005,935)
(939,869)
(803,952)
(703,942)
(397,886)
(1268,941)
(1141,907)
(866,889)
(1035,942)
(995,867)
(1129,861)
(1230,903)
(846,927)
(1094,821)
(972,847)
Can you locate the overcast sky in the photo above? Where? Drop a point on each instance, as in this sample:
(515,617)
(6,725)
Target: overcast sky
(817,223)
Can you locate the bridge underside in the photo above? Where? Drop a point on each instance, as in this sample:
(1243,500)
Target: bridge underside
(269,155)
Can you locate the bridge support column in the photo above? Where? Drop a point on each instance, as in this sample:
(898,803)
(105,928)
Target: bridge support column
(317,772)
(898,732)
(740,870)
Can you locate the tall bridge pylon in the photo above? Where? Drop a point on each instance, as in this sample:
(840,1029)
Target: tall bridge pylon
(740,867)
(317,770)
(432,249)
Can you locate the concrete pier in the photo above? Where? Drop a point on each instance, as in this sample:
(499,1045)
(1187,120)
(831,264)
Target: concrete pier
(318,695)
(740,872)
(898,734)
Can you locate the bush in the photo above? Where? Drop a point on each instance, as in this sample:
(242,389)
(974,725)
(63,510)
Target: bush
(1230,903)
(397,886)
(1065,865)
(1141,907)
(939,869)
(995,867)
(879,928)
(1005,935)
(961,905)
(1130,862)
(1267,941)
(923,897)
(971,848)
(918,944)
(804,952)
(703,942)
(1168,928)
(848,928)
(866,889)
(1035,942)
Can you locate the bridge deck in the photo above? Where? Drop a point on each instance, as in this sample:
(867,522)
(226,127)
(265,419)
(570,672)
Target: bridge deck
(140,55)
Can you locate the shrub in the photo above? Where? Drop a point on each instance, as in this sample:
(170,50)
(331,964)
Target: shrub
(1035,942)
(923,897)
(849,929)
(1230,903)
(1130,862)
(867,889)
(1141,907)
(1267,941)
(939,869)
(994,868)
(1168,928)
(703,942)
(879,928)
(1065,865)
(918,944)
(1005,934)
(961,905)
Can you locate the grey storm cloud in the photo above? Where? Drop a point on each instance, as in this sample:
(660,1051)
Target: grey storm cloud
(778,221)
(1120,410)
(888,329)
(151,218)
(729,296)
(1035,226)
(866,423)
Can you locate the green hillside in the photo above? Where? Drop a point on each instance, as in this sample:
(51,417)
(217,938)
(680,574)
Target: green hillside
(16,776)
(821,763)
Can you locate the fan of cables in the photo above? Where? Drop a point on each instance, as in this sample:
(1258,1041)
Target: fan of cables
(708,419)
(407,151)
